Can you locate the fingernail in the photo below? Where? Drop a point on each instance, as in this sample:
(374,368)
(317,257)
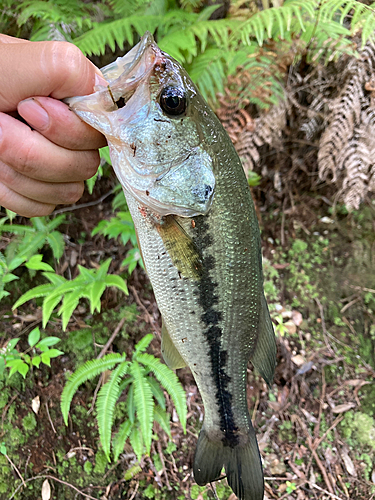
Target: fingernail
(34,113)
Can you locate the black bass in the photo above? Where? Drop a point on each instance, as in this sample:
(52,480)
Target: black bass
(199,238)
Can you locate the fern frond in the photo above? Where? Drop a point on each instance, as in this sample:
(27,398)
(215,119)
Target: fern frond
(163,419)
(86,372)
(115,32)
(170,381)
(120,438)
(144,403)
(136,440)
(105,406)
(143,344)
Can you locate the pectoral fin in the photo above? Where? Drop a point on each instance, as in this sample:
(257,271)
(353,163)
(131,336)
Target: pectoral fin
(264,357)
(170,354)
(181,248)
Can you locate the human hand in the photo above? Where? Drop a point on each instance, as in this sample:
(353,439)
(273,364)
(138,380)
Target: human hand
(46,165)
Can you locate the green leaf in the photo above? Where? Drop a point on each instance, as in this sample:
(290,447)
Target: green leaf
(120,438)
(143,343)
(17,365)
(144,403)
(12,344)
(48,342)
(170,381)
(163,419)
(36,361)
(85,372)
(9,277)
(95,291)
(105,406)
(34,337)
(117,281)
(137,442)
(49,304)
(157,392)
(38,291)
(57,244)
(35,262)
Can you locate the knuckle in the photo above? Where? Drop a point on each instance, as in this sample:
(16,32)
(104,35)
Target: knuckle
(67,61)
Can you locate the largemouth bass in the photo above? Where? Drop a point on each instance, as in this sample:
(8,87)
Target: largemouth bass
(199,237)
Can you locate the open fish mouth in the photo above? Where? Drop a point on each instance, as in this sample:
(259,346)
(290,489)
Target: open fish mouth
(156,145)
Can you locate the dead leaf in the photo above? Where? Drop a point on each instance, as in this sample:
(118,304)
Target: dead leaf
(373,476)
(297,318)
(298,359)
(356,382)
(309,417)
(291,327)
(349,466)
(46,490)
(35,405)
(343,407)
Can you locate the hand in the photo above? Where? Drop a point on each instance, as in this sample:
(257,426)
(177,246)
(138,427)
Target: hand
(43,166)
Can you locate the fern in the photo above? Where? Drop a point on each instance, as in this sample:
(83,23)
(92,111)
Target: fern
(86,372)
(142,408)
(89,284)
(144,403)
(120,439)
(170,381)
(115,32)
(105,405)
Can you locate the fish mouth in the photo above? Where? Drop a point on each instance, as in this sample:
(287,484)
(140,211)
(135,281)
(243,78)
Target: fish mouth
(125,74)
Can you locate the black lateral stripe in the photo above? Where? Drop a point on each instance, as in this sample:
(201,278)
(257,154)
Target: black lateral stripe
(213,334)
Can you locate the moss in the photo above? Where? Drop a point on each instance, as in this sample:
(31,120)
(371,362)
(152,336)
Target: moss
(29,422)
(101,462)
(87,467)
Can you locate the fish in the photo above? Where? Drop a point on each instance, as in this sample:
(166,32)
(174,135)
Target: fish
(200,242)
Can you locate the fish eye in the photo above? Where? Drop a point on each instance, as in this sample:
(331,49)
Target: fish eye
(173,100)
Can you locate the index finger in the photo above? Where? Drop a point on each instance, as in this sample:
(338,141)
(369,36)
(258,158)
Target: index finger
(55,69)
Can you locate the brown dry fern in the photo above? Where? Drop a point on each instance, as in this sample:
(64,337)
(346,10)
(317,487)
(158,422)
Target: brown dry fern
(347,146)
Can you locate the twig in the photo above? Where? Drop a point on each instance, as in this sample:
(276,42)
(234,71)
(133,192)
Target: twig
(324,329)
(336,422)
(310,444)
(313,485)
(83,205)
(47,476)
(138,301)
(163,464)
(350,304)
(96,393)
(49,418)
(134,492)
(15,468)
(112,338)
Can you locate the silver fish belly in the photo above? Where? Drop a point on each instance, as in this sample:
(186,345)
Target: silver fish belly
(201,249)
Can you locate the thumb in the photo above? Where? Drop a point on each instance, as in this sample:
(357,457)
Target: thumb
(55,69)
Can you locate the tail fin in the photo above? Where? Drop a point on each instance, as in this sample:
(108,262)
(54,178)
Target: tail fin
(242,465)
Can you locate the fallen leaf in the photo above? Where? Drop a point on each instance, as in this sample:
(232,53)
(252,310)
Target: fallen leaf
(305,368)
(309,417)
(373,476)
(343,408)
(35,405)
(291,327)
(349,466)
(297,318)
(46,490)
(298,360)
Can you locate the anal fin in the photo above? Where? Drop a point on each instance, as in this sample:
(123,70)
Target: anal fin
(264,357)
(170,354)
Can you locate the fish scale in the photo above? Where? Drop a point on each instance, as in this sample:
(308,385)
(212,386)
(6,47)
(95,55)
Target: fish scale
(199,238)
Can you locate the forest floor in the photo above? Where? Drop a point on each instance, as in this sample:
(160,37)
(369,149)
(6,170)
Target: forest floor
(315,427)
